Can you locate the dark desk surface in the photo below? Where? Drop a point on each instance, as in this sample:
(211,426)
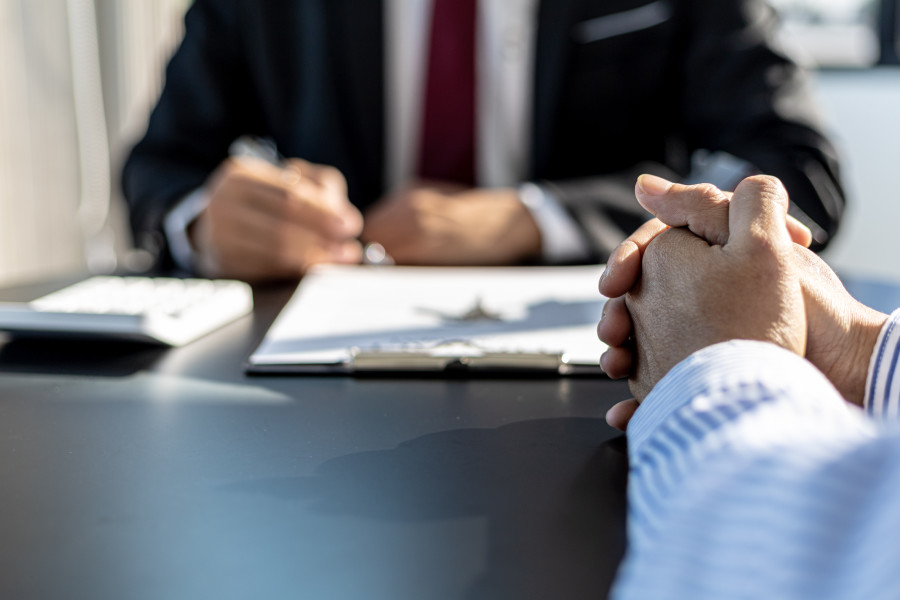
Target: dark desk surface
(140,473)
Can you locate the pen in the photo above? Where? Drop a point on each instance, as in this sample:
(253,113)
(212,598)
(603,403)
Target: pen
(264,149)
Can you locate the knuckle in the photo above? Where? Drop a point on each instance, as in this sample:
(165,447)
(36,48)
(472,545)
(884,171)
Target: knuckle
(230,167)
(764,181)
(767,187)
(708,190)
(333,178)
(331,173)
(421,202)
(709,198)
(223,176)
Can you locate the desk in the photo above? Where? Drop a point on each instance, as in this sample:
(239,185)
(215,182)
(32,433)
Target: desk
(128,472)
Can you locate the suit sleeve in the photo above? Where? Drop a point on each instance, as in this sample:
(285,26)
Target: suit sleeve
(204,106)
(737,95)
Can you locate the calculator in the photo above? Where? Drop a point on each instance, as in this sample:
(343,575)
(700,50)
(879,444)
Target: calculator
(161,310)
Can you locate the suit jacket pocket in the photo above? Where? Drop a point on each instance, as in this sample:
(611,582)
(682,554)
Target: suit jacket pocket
(636,19)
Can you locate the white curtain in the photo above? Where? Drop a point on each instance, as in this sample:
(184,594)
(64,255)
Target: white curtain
(77,80)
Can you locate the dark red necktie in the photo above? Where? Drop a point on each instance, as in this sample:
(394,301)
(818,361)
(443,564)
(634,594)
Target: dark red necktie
(447,151)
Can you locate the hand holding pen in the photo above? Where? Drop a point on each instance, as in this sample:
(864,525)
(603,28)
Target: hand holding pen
(268,221)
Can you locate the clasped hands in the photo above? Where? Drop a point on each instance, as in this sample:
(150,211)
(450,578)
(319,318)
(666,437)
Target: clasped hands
(269,222)
(715,266)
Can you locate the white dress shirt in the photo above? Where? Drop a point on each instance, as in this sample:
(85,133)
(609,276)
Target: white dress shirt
(505,58)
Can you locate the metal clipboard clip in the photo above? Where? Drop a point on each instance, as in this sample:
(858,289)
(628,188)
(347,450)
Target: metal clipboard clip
(453,355)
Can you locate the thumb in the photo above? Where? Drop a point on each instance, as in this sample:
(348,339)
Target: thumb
(757,218)
(702,208)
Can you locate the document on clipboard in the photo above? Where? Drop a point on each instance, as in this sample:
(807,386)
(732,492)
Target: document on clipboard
(386,319)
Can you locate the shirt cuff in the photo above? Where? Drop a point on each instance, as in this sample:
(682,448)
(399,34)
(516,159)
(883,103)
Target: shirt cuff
(176,225)
(561,239)
(723,170)
(739,372)
(882,399)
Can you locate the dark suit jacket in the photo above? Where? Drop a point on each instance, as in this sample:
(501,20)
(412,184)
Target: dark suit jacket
(621,87)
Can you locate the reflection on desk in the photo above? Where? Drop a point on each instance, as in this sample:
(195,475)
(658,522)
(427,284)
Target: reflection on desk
(136,474)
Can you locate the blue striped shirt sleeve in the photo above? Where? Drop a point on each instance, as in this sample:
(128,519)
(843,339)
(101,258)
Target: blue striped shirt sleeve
(882,399)
(752,478)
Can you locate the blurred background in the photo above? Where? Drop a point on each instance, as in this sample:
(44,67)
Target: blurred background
(78,78)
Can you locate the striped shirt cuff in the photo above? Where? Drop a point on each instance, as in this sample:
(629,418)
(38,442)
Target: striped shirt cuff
(882,398)
(720,371)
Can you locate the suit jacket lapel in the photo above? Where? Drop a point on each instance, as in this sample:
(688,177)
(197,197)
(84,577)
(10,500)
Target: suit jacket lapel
(356,31)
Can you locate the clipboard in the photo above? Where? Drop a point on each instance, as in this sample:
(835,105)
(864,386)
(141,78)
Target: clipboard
(370,320)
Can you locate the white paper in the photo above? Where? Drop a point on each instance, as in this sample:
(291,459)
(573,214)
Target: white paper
(340,308)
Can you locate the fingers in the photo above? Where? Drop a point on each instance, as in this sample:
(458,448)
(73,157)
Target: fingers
(623,268)
(264,221)
(800,233)
(620,414)
(615,326)
(253,247)
(310,205)
(753,218)
(615,329)
(617,362)
(326,181)
(295,246)
(758,215)
(319,200)
(302,193)
(478,226)
(391,221)
(701,208)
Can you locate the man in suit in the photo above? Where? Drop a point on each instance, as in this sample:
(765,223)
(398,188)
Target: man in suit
(566,102)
